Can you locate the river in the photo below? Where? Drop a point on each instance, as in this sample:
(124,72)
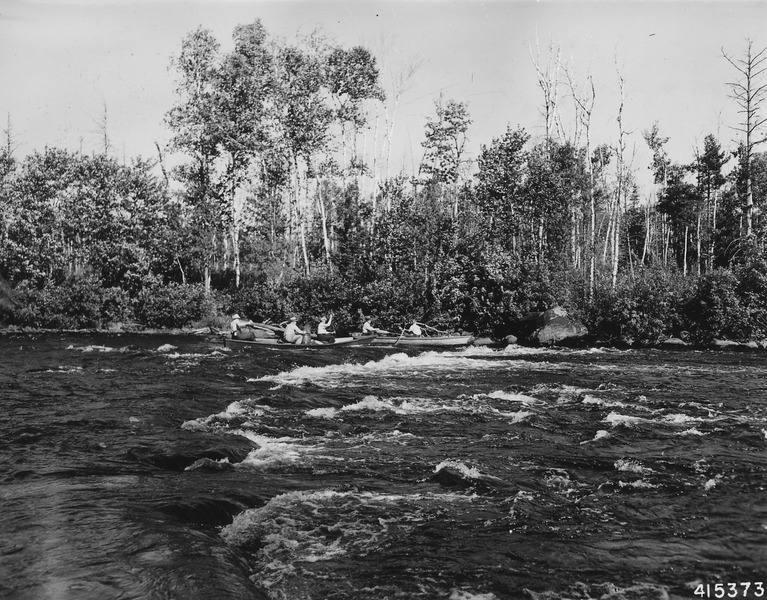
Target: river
(156,467)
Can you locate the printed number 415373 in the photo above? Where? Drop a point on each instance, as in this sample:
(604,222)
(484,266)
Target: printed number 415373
(731,590)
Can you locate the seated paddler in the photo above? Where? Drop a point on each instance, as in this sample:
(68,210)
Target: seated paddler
(324,333)
(240,328)
(294,334)
(415,329)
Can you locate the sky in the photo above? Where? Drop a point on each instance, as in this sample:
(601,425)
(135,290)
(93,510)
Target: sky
(69,66)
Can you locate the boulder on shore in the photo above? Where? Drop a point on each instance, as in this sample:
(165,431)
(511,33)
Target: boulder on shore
(550,327)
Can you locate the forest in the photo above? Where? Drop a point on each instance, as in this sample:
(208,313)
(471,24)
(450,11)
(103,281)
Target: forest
(278,195)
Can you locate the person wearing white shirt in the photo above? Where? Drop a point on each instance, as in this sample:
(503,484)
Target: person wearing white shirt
(323,333)
(294,334)
(415,329)
(240,328)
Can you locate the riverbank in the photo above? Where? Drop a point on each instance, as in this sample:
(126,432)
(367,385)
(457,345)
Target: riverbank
(671,343)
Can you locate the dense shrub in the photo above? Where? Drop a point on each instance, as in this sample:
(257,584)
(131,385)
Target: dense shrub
(643,311)
(257,301)
(752,294)
(172,305)
(74,304)
(116,305)
(714,310)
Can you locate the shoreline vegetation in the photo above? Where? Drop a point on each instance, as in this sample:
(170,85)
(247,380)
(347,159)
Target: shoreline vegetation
(278,206)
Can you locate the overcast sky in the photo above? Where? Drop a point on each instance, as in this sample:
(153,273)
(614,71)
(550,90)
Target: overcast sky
(63,61)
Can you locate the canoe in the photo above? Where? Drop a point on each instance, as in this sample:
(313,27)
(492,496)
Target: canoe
(273,344)
(437,341)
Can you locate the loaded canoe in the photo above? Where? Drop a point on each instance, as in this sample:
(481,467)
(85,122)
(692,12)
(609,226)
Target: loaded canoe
(273,344)
(438,341)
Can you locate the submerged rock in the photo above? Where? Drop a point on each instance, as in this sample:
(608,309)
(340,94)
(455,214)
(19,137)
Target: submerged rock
(510,340)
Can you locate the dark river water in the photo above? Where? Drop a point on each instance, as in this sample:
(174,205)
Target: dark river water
(165,467)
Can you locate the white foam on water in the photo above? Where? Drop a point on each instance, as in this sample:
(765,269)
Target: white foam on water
(66,369)
(468,595)
(593,400)
(178,355)
(691,431)
(98,348)
(92,348)
(606,590)
(703,407)
(235,409)
(617,420)
(700,466)
(632,466)
(414,406)
(565,393)
(515,350)
(426,365)
(322,413)
(559,479)
(680,419)
(395,436)
(599,435)
(298,529)
(465,471)
(273,452)
(640,484)
(372,403)
(711,483)
(166,348)
(512,397)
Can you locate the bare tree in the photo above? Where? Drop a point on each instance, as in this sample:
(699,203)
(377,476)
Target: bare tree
(584,102)
(749,93)
(621,177)
(548,81)
(400,81)
(103,129)
(10,139)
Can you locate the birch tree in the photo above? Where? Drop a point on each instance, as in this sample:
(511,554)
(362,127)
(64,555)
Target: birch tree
(244,86)
(195,134)
(444,158)
(584,101)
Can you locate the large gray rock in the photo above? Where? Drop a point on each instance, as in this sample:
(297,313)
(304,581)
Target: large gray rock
(555,326)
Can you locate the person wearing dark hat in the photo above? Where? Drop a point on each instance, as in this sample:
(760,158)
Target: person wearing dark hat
(294,334)
(240,328)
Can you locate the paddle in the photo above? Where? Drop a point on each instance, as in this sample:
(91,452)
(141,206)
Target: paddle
(400,336)
(266,327)
(434,329)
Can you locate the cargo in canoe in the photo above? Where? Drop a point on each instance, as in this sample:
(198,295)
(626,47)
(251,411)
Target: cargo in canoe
(272,344)
(437,341)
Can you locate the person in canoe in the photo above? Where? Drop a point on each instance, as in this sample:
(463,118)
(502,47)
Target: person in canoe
(294,334)
(414,330)
(241,328)
(368,329)
(324,334)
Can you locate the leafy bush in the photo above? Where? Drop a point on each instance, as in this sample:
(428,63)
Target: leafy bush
(714,310)
(116,305)
(75,304)
(643,311)
(752,294)
(173,305)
